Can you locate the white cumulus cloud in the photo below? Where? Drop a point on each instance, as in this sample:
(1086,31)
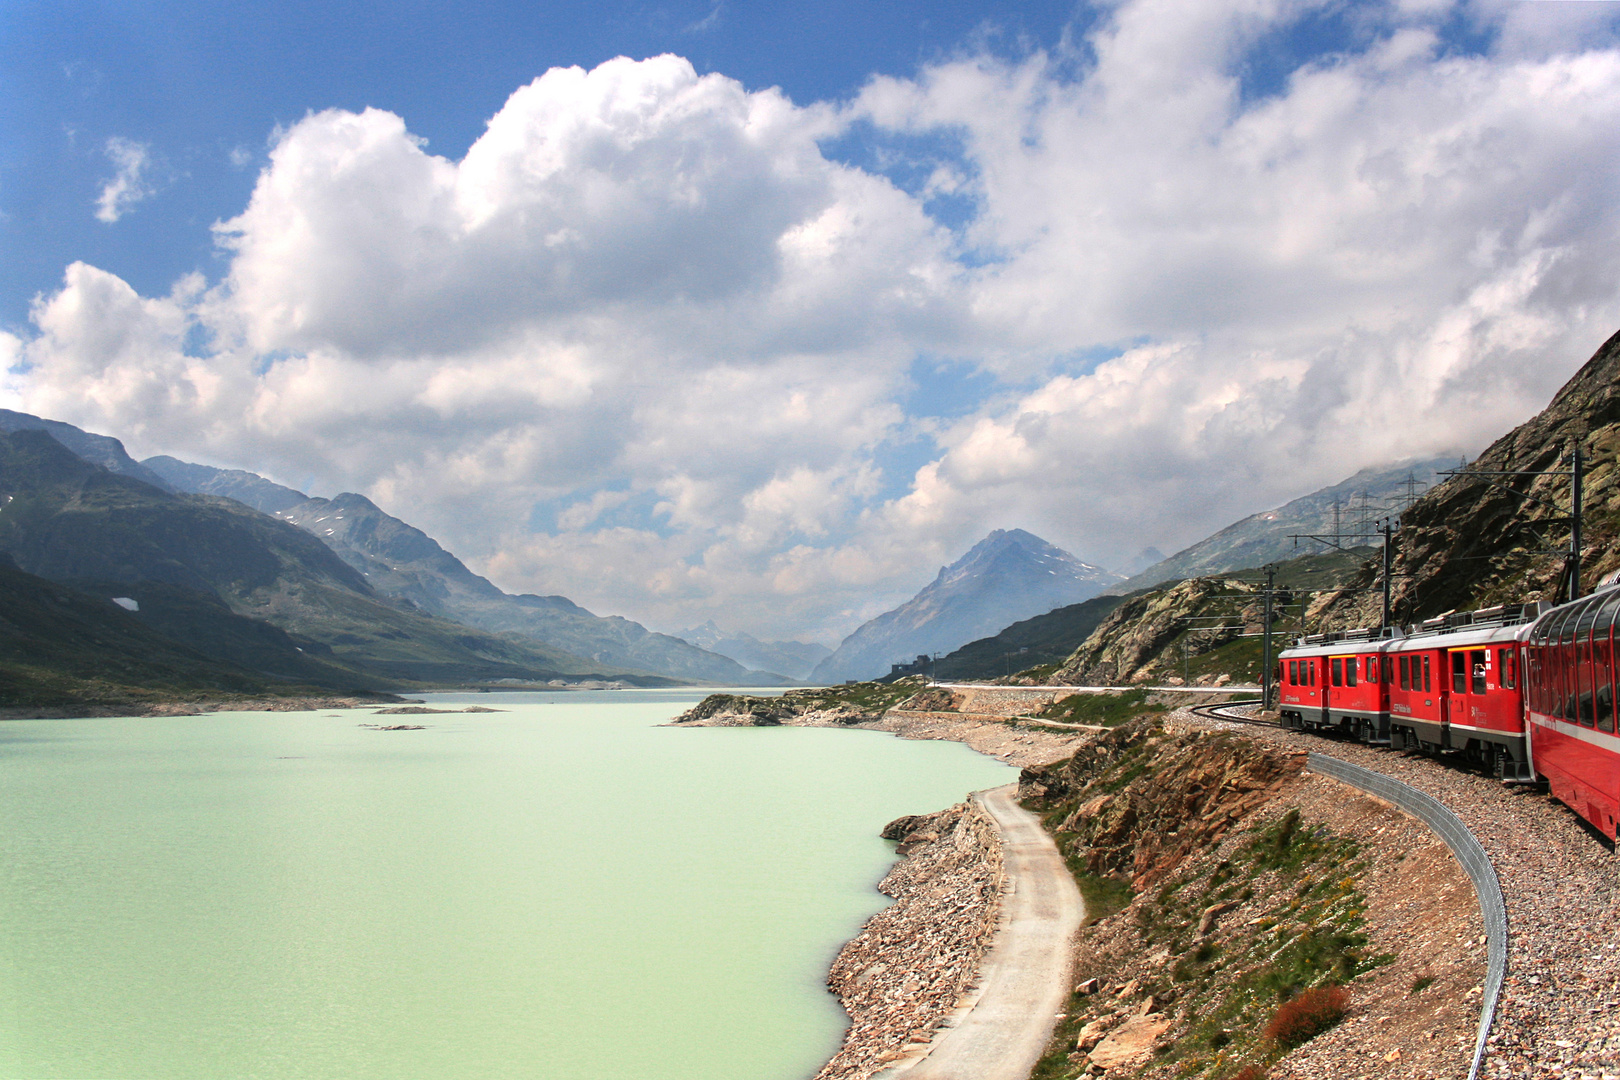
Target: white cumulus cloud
(651,345)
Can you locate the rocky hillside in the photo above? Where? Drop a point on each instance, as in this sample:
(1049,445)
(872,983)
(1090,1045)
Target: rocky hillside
(1267,536)
(1477,540)
(74,522)
(402,562)
(1202,630)
(1006,577)
(1240,909)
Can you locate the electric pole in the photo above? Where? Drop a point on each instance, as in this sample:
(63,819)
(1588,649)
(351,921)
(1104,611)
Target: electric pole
(1575,522)
(1265,642)
(1387,527)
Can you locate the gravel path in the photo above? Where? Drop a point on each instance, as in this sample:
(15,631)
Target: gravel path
(1025,977)
(1559,1014)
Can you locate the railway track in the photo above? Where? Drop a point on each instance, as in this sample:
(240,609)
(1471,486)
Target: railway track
(1220,712)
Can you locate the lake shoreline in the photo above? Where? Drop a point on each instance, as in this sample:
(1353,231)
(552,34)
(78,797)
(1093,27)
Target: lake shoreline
(938,930)
(197,707)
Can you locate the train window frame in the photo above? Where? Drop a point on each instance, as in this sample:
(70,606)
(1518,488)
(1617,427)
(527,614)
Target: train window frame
(1312,668)
(1405,665)
(1336,670)
(1458,662)
(1587,617)
(1477,664)
(1603,677)
(1351,665)
(1426,684)
(1585,681)
(1506,663)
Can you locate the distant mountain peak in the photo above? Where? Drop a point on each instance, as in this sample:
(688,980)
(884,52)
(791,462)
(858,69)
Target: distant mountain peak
(1008,576)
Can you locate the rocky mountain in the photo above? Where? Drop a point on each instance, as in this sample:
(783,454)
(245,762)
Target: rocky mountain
(75,522)
(1350,506)
(62,647)
(793,659)
(101,450)
(402,562)
(1480,539)
(1006,577)
(1205,629)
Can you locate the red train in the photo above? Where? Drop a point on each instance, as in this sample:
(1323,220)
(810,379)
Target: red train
(1524,690)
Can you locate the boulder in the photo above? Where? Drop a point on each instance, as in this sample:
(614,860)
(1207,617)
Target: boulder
(1132,1042)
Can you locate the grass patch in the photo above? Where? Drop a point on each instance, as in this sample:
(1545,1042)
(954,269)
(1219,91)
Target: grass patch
(1104,710)
(1104,896)
(1254,992)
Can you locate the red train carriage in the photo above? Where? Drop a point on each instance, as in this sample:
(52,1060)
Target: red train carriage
(1569,666)
(1337,682)
(1456,685)
(1526,690)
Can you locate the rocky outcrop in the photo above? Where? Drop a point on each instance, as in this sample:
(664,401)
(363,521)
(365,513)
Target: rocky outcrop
(852,703)
(1141,639)
(915,962)
(1140,799)
(934,699)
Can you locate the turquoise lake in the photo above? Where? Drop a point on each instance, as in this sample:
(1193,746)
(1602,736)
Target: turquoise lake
(560,890)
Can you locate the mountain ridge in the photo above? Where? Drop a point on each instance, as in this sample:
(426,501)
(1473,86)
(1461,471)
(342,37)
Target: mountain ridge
(1265,537)
(400,561)
(1008,576)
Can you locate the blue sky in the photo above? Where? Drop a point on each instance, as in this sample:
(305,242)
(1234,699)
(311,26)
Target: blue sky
(658,337)
(199,81)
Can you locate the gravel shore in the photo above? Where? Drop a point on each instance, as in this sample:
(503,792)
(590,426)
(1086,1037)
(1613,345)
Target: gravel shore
(1559,1014)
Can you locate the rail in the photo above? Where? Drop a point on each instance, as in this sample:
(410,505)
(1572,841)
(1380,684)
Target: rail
(1475,863)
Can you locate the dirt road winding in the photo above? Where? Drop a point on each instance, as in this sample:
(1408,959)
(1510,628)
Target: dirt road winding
(1025,978)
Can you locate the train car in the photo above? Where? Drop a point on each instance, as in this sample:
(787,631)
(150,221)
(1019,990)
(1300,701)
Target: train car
(1569,672)
(1337,682)
(1528,691)
(1456,686)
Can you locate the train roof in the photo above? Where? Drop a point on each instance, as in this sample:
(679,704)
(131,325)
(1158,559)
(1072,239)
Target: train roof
(1504,622)
(1598,612)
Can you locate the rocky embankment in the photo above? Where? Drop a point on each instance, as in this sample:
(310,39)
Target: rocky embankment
(987,719)
(1230,881)
(1559,1015)
(914,963)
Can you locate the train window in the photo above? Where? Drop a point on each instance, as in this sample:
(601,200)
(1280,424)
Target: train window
(1406,672)
(1505,675)
(1311,668)
(1459,672)
(1606,617)
(1338,671)
(1585,705)
(1350,666)
(1603,680)
(1476,664)
(1425,675)
(1563,674)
